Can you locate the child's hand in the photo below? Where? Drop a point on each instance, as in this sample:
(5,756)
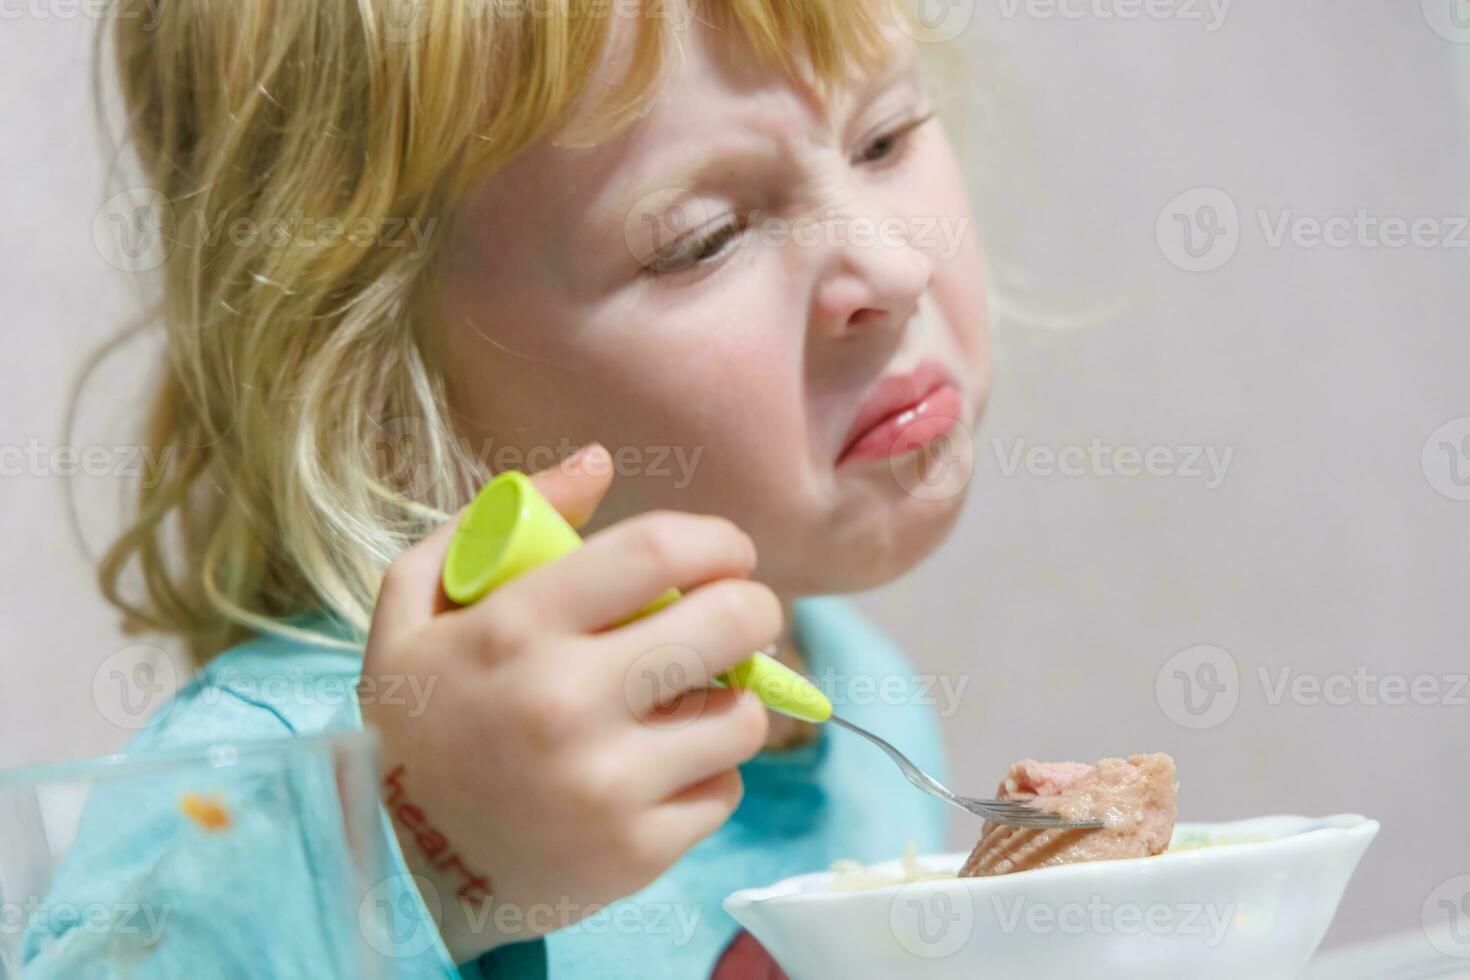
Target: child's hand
(538,772)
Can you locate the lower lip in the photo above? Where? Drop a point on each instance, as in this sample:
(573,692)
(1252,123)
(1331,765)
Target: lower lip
(907,429)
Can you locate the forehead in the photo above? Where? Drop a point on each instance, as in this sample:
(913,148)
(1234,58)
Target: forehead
(715,100)
(718,103)
(714,76)
(721,104)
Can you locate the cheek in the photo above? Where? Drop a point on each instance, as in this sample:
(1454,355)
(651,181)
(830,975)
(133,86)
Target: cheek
(725,414)
(729,380)
(953,245)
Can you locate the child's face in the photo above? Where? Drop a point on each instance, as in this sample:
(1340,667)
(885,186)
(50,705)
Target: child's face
(576,311)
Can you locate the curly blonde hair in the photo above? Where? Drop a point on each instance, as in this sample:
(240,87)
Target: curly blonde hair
(294,374)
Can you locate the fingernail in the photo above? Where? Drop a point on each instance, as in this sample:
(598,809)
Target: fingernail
(580,456)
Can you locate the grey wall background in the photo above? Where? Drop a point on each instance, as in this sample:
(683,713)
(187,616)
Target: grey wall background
(1333,547)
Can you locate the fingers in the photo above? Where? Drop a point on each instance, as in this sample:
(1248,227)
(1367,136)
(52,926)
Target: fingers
(683,646)
(703,734)
(623,568)
(411,592)
(577,485)
(693,813)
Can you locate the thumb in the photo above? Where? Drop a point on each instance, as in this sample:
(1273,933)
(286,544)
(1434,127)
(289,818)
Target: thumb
(577,485)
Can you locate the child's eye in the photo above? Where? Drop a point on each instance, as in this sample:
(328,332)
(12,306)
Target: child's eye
(878,149)
(698,248)
(890,145)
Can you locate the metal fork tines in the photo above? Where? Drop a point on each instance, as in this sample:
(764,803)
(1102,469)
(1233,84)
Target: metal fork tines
(1009,812)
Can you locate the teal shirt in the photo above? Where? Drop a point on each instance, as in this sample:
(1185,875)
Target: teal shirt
(249,903)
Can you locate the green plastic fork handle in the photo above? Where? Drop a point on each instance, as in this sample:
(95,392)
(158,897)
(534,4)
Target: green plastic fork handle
(510,528)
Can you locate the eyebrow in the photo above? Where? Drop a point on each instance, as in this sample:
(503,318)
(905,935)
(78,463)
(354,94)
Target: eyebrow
(904,64)
(749,151)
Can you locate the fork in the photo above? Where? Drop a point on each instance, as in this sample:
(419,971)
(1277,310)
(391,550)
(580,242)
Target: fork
(510,528)
(1008,812)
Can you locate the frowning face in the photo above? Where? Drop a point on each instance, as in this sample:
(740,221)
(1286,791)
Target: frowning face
(766,304)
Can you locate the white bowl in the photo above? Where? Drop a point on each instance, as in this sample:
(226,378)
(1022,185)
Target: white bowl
(1251,909)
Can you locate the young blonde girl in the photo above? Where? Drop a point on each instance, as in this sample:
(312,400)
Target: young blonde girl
(730,234)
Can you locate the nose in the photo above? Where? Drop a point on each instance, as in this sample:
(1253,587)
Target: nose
(873,279)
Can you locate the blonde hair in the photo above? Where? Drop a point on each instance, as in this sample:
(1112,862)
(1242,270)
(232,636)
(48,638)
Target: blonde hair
(294,375)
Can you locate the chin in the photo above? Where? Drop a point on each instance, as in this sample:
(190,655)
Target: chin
(873,539)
